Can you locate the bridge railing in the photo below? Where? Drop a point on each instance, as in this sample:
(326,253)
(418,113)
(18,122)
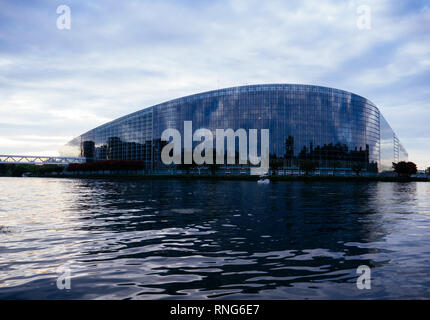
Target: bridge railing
(17,159)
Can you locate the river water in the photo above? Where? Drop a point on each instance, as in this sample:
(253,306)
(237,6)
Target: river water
(177,239)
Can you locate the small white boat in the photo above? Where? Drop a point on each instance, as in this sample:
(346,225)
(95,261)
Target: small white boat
(263,179)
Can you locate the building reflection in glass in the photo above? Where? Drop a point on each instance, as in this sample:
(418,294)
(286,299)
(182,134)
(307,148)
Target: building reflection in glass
(332,127)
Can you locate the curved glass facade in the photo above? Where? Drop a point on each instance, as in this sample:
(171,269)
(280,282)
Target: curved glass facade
(334,128)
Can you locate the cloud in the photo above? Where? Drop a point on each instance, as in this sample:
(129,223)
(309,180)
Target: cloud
(120,57)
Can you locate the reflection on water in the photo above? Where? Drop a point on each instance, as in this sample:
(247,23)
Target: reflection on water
(204,239)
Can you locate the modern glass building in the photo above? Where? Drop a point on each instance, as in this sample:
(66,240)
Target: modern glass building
(333,128)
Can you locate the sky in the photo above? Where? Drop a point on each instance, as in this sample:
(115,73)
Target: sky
(122,56)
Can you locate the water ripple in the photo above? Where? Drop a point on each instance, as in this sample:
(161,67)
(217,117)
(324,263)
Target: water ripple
(203,239)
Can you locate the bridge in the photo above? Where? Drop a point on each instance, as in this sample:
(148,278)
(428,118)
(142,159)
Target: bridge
(14,159)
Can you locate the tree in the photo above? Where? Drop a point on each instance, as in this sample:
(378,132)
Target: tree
(405,169)
(50,168)
(275,164)
(357,168)
(213,168)
(428,170)
(187,167)
(307,166)
(335,165)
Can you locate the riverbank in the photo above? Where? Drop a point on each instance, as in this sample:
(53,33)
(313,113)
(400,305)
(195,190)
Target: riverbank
(236,177)
(49,171)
